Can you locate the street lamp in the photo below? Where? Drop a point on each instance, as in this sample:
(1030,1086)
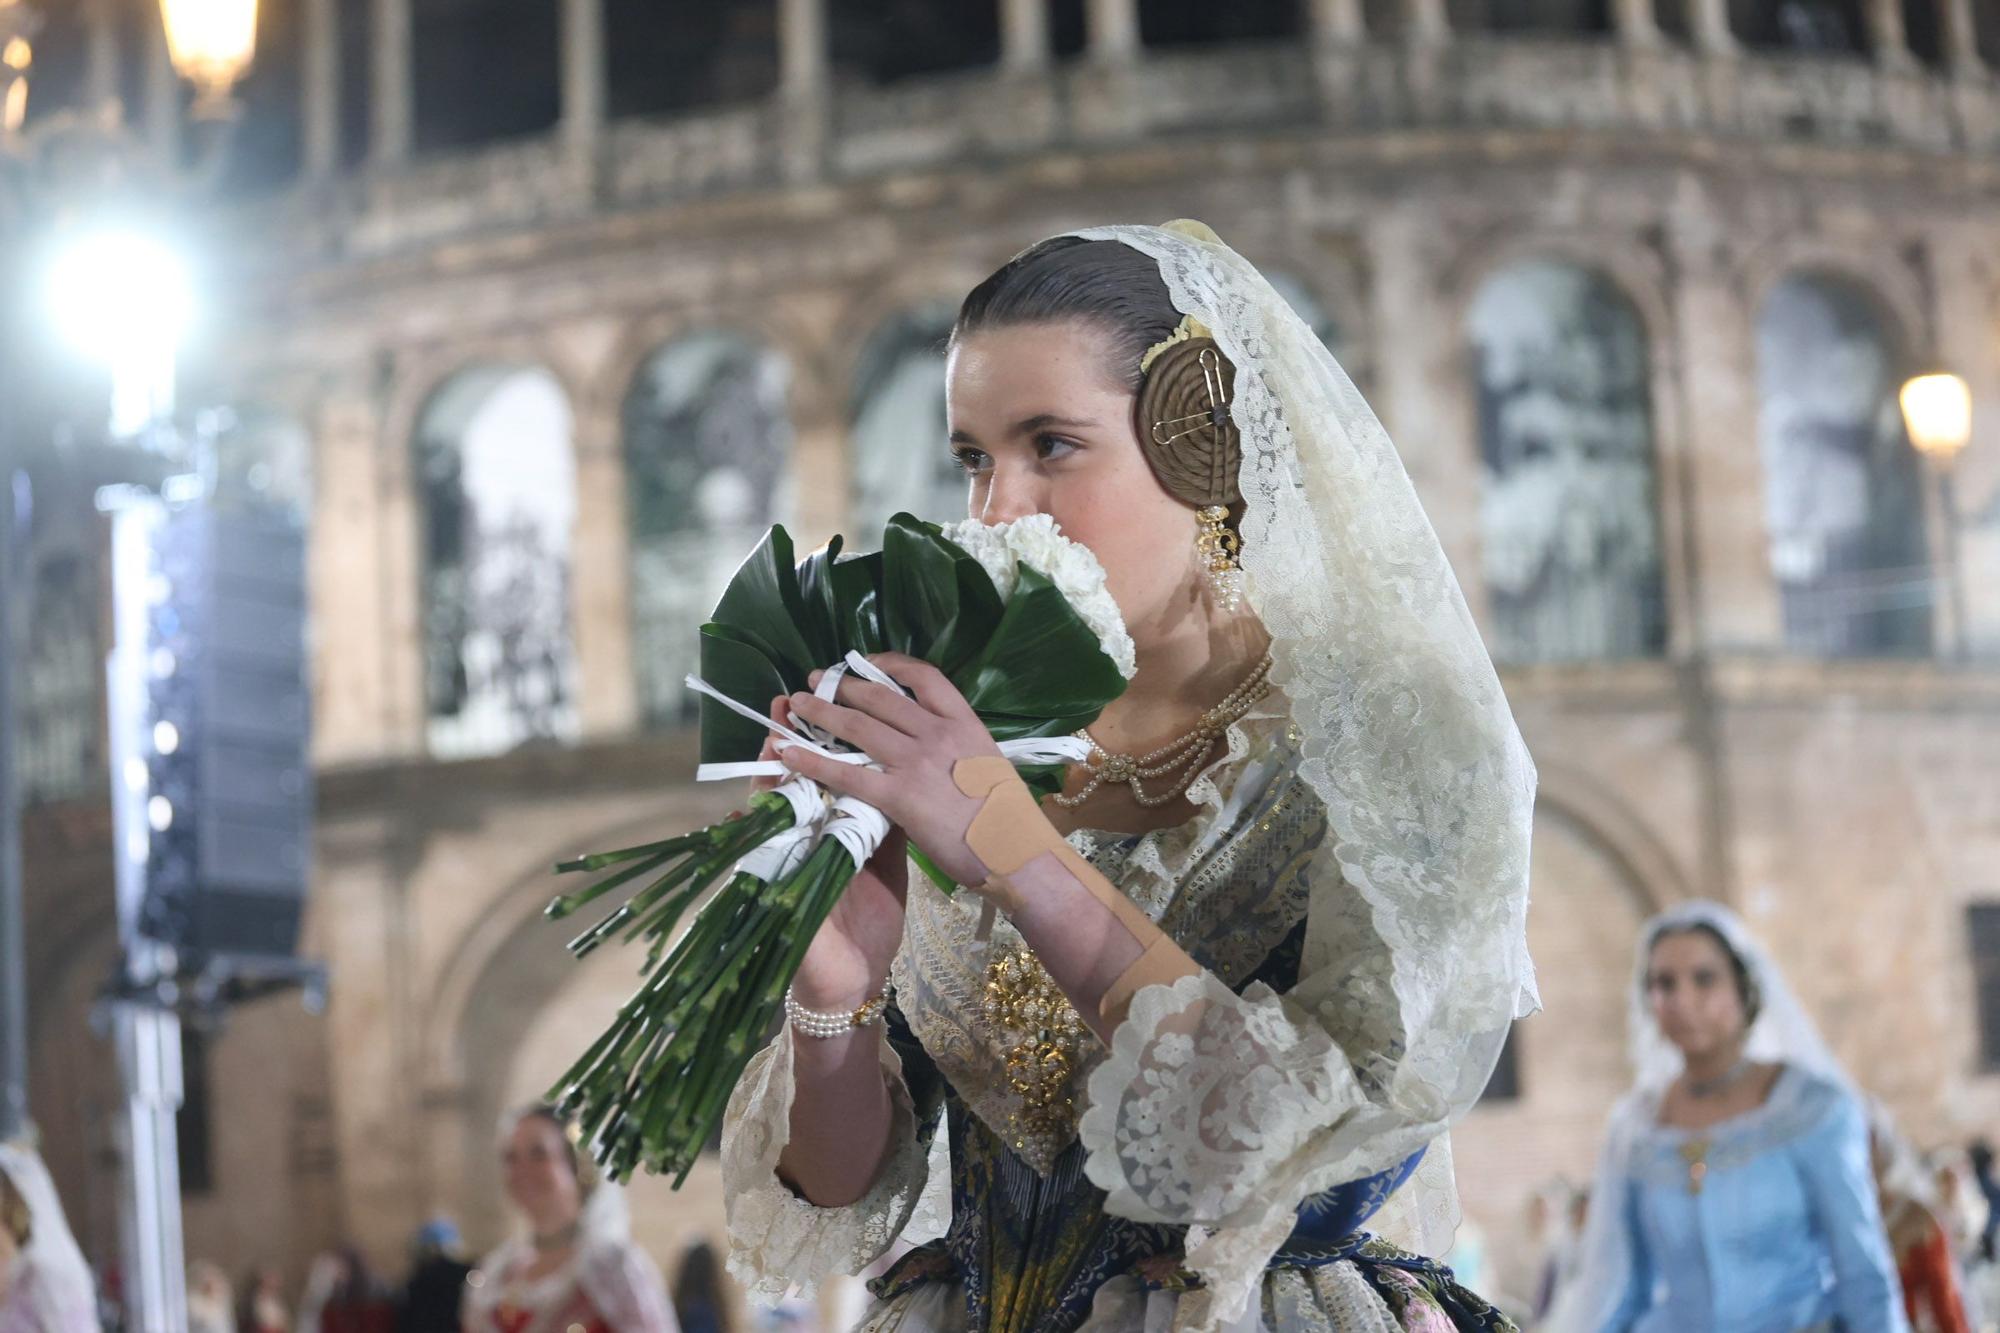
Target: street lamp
(1937,411)
(211,43)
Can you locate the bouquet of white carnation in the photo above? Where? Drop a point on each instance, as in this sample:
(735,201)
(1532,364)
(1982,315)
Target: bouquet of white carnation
(1016,615)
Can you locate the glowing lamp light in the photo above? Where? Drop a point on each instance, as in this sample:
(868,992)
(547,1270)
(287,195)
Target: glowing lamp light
(160,814)
(166,737)
(1937,409)
(115,294)
(211,43)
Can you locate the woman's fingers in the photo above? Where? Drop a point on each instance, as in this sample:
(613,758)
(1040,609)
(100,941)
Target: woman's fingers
(882,742)
(855,780)
(932,687)
(891,707)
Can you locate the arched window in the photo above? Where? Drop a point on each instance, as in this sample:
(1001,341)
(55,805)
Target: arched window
(1842,503)
(707,448)
(498,487)
(1569,522)
(901,462)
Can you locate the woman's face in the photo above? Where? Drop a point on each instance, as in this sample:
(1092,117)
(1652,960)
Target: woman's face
(1692,987)
(536,1162)
(1041,425)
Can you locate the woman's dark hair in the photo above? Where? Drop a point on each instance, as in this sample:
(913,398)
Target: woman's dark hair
(1107,283)
(580,1166)
(1746,984)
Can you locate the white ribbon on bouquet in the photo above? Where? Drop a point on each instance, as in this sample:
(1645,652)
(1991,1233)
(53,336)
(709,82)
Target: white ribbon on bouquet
(856,825)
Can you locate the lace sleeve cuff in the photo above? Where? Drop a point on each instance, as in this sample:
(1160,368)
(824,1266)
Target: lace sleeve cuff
(1211,1107)
(779,1242)
(1222,1112)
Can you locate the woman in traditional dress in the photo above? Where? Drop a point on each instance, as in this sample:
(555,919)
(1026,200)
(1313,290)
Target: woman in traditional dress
(1736,1193)
(573,1266)
(45,1285)
(1191,1023)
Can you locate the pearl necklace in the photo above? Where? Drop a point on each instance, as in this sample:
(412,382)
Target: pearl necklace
(1180,759)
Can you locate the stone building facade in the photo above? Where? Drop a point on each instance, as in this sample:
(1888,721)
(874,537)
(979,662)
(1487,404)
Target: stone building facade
(1807,733)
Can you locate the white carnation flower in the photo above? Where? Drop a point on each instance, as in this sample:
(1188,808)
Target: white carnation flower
(1037,542)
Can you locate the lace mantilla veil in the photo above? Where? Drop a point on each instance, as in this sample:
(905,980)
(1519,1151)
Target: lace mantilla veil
(1408,741)
(1783,1034)
(60,1291)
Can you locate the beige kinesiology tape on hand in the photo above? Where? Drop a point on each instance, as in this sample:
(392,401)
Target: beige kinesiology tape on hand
(1010,830)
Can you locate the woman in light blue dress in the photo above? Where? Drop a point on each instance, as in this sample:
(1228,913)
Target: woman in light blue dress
(1735,1195)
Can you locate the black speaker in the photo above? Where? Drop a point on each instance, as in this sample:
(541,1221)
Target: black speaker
(225,734)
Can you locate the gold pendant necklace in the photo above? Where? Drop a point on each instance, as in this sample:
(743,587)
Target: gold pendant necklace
(1181,760)
(1695,1153)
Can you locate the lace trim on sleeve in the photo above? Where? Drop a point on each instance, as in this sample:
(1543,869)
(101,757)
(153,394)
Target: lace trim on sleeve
(779,1242)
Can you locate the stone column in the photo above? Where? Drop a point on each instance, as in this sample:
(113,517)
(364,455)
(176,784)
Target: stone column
(583,77)
(1336,23)
(101,64)
(1733,591)
(1422,391)
(1114,30)
(802,47)
(1024,36)
(1960,255)
(803,99)
(1709,20)
(608,699)
(392,122)
(1425,22)
(1635,23)
(162,114)
(1887,42)
(1961,36)
(319,86)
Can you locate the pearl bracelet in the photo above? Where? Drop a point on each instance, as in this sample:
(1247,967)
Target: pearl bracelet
(814,1023)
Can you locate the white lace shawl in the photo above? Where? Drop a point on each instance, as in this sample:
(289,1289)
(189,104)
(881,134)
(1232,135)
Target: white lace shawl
(1221,1111)
(48,1286)
(620,1280)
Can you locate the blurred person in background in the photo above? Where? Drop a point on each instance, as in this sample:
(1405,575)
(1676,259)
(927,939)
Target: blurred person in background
(45,1286)
(701,1303)
(435,1293)
(210,1302)
(261,1306)
(1555,1226)
(343,1296)
(1919,1241)
(1735,1193)
(1980,1153)
(572,1265)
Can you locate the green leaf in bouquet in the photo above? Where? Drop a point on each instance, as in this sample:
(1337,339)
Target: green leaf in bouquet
(855,585)
(740,669)
(763,604)
(820,620)
(971,626)
(1042,663)
(919,585)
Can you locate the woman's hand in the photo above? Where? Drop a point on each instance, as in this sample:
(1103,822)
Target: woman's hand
(848,960)
(917,742)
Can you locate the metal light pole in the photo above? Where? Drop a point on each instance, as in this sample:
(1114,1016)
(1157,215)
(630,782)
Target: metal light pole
(13,953)
(210,43)
(1937,410)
